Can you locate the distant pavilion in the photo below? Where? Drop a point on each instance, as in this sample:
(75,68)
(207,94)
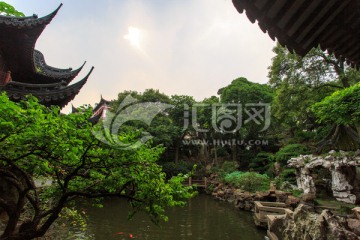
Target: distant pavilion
(99,112)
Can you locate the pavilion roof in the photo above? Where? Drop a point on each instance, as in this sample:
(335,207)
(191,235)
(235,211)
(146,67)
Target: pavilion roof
(48,94)
(301,25)
(103,102)
(29,72)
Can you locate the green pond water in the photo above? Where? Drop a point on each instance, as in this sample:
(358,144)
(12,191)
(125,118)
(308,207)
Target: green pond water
(202,218)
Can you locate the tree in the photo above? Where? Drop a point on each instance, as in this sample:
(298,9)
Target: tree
(143,107)
(8,10)
(244,91)
(252,97)
(300,82)
(205,122)
(342,109)
(40,143)
(167,126)
(176,113)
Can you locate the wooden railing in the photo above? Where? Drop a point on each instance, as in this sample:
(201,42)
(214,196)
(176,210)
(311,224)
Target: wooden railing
(202,183)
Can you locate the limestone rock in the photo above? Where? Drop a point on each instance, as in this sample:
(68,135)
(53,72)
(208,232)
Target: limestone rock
(354,225)
(357,153)
(356,212)
(338,163)
(277,168)
(292,201)
(308,197)
(305,224)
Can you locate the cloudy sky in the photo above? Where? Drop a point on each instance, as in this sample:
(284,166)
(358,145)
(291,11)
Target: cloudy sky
(190,47)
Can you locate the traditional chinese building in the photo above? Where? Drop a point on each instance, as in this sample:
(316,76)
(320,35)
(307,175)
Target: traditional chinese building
(301,25)
(23,69)
(99,111)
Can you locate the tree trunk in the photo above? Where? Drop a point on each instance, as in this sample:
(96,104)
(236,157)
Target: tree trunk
(177,149)
(215,156)
(233,152)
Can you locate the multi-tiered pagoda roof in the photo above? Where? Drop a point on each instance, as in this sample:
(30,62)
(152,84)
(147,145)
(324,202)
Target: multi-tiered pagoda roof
(23,69)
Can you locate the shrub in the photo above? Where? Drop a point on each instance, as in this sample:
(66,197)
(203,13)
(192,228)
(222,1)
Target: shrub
(226,168)
(297,192)
(173,169)
(229,167)
(211,188)
(289,175)
(261,162)
(248,181)
(289,151)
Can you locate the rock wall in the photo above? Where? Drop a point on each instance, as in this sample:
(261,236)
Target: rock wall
(245,200)
(304,224)
(343,172)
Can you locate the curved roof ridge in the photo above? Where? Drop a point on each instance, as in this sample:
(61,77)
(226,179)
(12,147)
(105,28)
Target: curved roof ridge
(29,71)
(82,81)
(54,74)
(29,21)
(102,101)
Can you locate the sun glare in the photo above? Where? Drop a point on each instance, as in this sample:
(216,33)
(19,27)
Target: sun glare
(134,36)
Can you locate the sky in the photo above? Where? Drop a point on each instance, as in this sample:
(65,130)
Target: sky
(183,47)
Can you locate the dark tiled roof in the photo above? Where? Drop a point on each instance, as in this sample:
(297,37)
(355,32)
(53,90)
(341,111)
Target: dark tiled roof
(58,94)
(101,104)
(50,74)
(29,72)
(98,111)
(301,25)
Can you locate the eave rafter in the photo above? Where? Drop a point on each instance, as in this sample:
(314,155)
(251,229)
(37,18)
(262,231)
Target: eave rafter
(301,25)
(49,94)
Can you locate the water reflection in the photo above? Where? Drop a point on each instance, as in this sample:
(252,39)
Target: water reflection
(202,218)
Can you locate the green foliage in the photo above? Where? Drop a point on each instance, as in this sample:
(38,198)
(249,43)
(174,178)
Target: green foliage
(301,136)
(167,127)
(248,181)
(340,110)
(345,210)
(226,168)
(243,91)
(289,151)
(74,217)
(289,175)
(210,188)
(301,82)
(297,192)
(261,162)
(229,167)
(342,107)
(8,10)
(177,112)
(161,126)
(38,142)
(173,169)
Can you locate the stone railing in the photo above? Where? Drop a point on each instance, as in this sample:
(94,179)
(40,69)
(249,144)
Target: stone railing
(265,209)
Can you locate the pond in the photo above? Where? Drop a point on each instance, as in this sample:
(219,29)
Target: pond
(202,218)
